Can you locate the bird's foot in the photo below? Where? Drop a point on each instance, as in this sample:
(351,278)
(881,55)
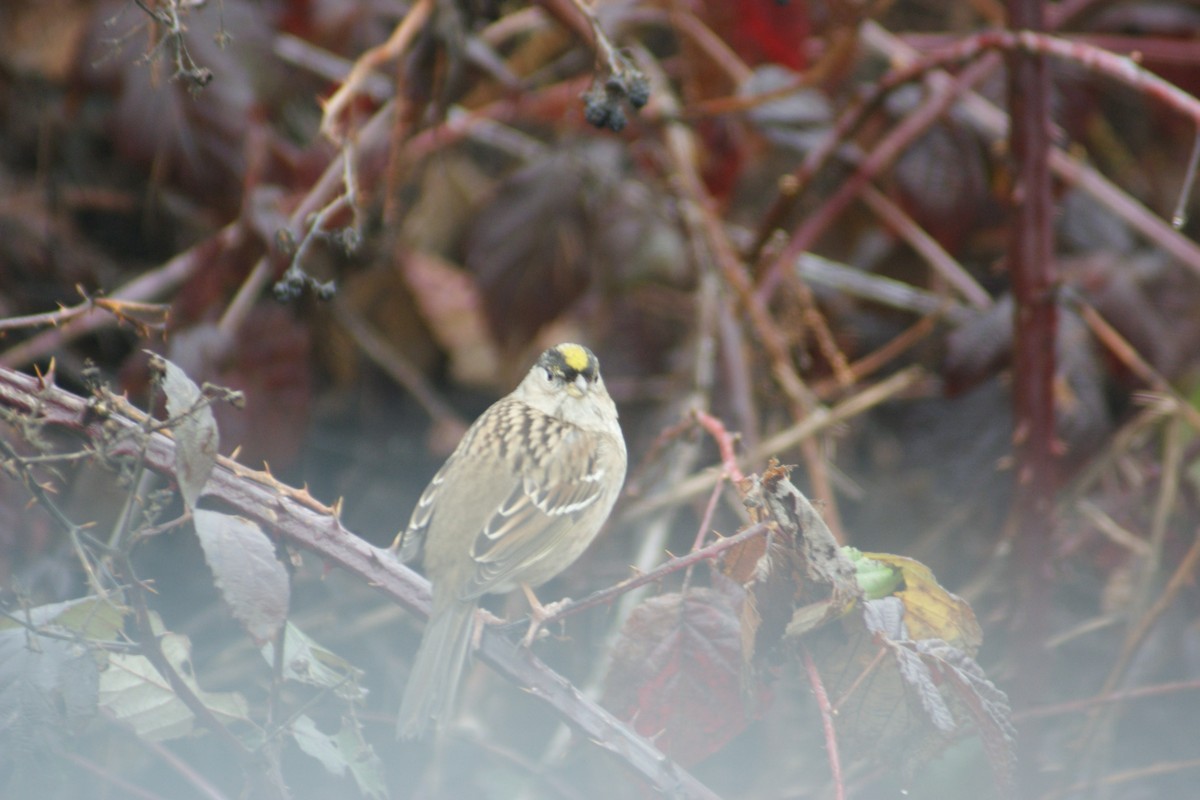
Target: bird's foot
(539,614)
(483,618)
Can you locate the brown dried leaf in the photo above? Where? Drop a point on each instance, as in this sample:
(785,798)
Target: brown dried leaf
(770,598)
(796,578)
(450,303)
(42,38)
(829,570)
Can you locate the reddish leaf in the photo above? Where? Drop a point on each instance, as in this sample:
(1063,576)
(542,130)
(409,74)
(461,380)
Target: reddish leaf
(532,248)
(762,32)
(271,365)
(194,141)
(942,181)
(269,360)
(677,674)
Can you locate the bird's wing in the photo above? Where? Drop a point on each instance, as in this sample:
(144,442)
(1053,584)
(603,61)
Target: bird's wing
(409,542)
(538,512)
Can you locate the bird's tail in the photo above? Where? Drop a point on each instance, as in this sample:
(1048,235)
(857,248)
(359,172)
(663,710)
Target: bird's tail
(437,670)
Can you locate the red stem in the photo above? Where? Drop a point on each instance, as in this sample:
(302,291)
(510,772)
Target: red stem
(725,443)
(835,760)
(881,157)
(1035,320)
(1027,44)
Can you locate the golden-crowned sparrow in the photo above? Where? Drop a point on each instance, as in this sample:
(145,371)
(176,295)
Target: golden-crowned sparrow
(520,498)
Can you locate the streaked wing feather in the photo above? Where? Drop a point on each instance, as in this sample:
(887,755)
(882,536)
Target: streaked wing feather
(413,536)
(538,513)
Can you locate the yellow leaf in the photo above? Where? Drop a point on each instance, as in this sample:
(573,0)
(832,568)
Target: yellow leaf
(931,612)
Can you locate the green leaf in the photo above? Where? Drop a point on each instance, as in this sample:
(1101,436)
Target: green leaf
(90,617)
(307,661)
(931,612)
(48,688)
(134,692)
(875,578)
(345,750)
(320,746)
(365,765)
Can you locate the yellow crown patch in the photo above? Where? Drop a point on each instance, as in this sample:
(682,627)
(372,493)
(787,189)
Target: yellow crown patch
(574,356)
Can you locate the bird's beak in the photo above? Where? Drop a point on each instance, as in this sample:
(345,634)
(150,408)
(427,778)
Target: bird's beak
(580,386)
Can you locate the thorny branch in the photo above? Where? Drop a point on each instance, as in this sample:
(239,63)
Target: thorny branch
(303,522)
